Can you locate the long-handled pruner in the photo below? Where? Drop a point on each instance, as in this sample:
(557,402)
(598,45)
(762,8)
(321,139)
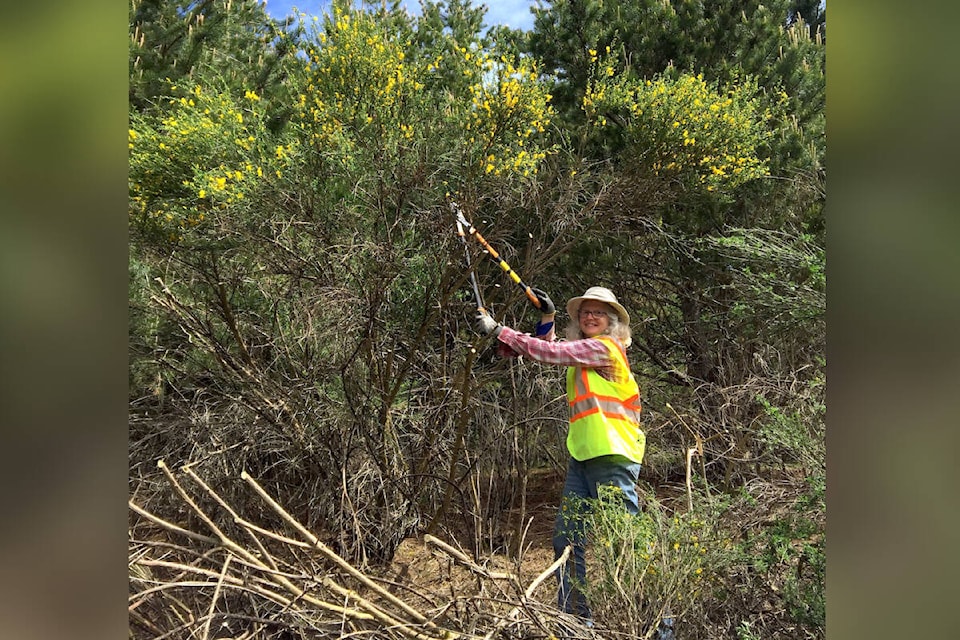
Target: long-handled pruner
(473,276)
(463,222)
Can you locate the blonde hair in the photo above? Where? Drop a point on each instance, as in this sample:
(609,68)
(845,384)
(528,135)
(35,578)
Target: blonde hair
(615,329)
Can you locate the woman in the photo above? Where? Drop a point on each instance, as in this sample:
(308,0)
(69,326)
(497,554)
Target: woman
(604,439)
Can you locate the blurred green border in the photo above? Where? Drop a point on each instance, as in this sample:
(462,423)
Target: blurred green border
(893,313)
(63,112)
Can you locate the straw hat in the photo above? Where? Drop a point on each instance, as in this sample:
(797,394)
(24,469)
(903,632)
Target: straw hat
(601,294)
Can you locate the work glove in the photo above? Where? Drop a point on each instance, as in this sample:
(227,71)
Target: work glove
(487,325)
(546,304)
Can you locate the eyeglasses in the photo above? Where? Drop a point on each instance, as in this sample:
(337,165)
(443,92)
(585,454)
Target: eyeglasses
(590,313)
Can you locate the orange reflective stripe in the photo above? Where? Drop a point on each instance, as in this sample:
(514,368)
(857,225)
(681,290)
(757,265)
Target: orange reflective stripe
(584,414)
(609,409)
(633,402)
(583,385)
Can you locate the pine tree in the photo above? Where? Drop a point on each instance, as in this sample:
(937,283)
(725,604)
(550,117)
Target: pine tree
(235,40)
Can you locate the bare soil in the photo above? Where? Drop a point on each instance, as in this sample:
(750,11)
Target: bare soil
(431,574)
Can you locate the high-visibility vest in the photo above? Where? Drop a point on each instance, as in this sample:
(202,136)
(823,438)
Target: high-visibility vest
(604,415)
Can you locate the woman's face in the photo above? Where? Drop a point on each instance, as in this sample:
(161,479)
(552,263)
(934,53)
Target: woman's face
(593,318)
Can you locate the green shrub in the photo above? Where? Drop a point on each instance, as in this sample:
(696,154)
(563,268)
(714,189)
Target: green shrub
(655,562)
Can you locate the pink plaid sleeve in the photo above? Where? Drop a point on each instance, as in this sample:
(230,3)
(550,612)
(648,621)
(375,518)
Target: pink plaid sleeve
(588,353)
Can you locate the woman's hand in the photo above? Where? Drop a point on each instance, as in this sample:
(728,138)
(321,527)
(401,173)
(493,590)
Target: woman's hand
(546,307)
(487,325)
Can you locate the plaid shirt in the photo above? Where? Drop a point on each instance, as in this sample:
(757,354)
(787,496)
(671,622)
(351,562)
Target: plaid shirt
(588,353)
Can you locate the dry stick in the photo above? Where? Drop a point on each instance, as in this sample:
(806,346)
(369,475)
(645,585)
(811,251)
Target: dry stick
(231,581)
(249,557)
(549,570)
(371,608)
(216,594)
(196,536)
(236,517)
(529,591)
(146,623)
(330,554)
(463,559)
(185,568)
(381,615)
(170,526)
(698,448)
(461,430)
(690,452)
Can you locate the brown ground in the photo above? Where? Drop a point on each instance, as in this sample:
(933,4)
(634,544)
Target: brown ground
(422,568)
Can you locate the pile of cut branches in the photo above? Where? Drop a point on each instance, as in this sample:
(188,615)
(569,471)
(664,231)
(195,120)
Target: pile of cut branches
(221,575)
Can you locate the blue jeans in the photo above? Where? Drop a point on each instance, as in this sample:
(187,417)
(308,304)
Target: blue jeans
(582,481)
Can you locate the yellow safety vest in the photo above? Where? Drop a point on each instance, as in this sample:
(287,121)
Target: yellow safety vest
(604,415)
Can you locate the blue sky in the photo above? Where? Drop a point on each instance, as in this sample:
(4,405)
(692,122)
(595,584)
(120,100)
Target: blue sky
(513,13)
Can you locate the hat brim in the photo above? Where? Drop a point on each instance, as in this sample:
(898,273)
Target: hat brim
(573,307)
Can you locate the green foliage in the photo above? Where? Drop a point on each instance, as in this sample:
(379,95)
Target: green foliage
(653,562)
(744,631)
(388,96)
(186,41)
(793,436)
(783,559)
(682,127)
(794,548)
(777,281)
(722,42)
(203,155)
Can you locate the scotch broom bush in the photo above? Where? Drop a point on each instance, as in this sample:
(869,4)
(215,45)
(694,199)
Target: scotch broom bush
(682,126)
(204,153)
(372,97)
